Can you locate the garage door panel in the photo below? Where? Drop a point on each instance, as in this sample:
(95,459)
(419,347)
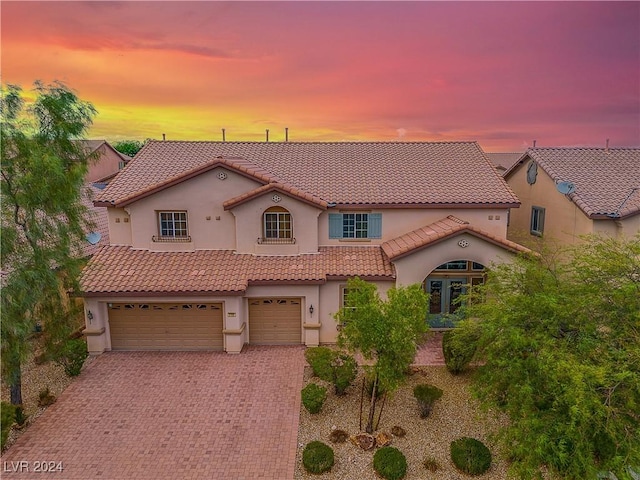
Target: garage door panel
(275,321)
(166,326)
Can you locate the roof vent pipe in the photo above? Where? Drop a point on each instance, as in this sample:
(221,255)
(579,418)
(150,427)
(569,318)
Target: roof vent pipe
(164,137)
(267,134)
(534,143)
(224,137)
(607,147)
(286,134)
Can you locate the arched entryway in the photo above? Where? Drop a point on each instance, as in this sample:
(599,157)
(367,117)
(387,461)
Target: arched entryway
(445,284)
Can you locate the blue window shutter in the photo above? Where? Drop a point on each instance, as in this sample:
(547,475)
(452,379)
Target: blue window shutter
(375,225)
(335,225)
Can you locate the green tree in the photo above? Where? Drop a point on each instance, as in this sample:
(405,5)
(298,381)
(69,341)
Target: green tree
(559,339)
(129,147)
(43,219)
(387,332)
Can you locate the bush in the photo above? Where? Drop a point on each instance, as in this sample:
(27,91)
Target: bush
(425,395)
(46,398)
(313,397)
(458,348)
(320,359)
(7,417)
(20,416)
(338,368)
(344,369)
(72,356)
(470,456)
(317,457)
(390,463)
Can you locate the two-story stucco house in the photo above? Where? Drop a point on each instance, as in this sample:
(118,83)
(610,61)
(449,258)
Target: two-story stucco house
(569,192)
(214,245)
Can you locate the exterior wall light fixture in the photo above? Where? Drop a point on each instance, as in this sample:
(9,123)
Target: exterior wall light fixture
(311,310)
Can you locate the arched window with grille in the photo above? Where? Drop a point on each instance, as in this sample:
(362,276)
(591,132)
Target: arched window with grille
(277,226)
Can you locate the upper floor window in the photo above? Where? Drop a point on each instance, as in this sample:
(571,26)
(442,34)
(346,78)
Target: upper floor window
(277,226)
(537,221)
(355,225)
(172,226)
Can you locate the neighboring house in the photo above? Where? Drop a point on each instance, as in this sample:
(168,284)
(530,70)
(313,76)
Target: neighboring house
(214,245)
(569,192)
(98,234)
(504,161)
(108,161)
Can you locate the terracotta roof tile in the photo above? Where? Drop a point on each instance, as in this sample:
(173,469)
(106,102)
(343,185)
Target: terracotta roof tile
(278,187)
(607,181)
(117,270)
(345,173)
(422,237)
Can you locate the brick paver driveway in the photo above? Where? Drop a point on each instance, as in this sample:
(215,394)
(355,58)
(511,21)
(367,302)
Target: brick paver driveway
(171,415)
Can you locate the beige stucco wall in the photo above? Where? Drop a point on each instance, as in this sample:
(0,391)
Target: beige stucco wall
(416,267)
(107,163)
(330,294)
(249,225)
(625,228)
(564,222)
(119,226)
(398,221)
(210,226)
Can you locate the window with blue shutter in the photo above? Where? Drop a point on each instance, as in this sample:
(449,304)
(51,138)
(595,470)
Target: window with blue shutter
(355,225)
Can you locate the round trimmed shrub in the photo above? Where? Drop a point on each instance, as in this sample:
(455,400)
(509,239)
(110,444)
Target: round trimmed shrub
(317,457)
(319,358)
(390,463)
(425,395)
(313,397)
(470,456)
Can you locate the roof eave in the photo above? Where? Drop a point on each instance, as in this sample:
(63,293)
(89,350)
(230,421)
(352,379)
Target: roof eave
(369,206)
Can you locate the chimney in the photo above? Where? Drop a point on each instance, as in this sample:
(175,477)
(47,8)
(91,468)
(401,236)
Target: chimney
(267,134)
(164,137)
(286,134)
(224,137)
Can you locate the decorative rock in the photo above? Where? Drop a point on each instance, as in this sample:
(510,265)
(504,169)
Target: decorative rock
(363,440)
(383,439)
(398,431)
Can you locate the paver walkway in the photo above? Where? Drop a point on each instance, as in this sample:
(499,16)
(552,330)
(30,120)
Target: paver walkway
(171,415)
(430,352)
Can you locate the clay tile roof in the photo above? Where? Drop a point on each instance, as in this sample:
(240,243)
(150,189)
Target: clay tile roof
(606,180)
(344,173)
(124,271)
(504,161)
(447,227)
(277,187)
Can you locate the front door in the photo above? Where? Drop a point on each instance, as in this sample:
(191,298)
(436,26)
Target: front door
(443,293)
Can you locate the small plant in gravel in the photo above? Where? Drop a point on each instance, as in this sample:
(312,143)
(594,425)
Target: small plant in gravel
(313,397)
(317,457)
(470,456)
(338,436)
(319,358)
(20,416)
(390,463)
(426,395)
(398,431)
(72,355)
(431,464)
(7,417)
(46,398)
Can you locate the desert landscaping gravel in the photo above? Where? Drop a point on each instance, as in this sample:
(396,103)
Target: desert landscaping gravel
(453,416)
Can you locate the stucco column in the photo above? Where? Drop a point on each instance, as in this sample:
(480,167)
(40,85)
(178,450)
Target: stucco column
(96,326)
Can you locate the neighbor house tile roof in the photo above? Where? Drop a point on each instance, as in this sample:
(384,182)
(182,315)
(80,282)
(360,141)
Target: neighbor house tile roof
(607,180)
(342,173)
(121,270)
(504,161)
(447,227)
(98,216)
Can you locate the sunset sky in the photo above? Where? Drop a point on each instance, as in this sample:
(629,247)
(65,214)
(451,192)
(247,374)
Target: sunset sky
(501,73)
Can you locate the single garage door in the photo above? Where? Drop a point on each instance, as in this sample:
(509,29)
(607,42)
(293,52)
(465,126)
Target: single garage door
(166,326)
(275,321)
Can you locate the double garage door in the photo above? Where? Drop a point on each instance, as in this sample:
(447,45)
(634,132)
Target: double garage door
(166,326)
